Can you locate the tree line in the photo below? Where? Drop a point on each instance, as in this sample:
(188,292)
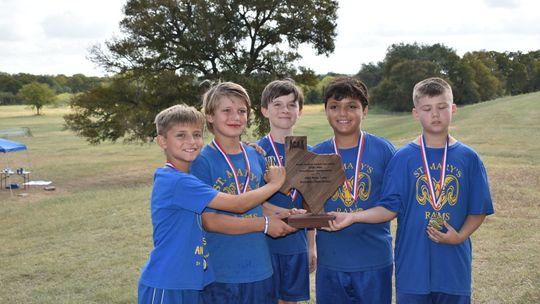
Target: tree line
(17,88)
(476,76)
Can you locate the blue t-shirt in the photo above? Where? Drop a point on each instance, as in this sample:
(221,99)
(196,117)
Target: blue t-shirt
(296,242)
(359,247)
(423,266)
(178,258)
(240,258)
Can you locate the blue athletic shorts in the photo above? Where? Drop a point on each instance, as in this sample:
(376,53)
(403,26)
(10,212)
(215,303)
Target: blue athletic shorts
(260,292)
(431,298)
(291,276)
(151,295)
(374,286)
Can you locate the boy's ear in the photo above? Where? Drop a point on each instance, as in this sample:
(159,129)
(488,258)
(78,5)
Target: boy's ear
(264,112)
(161,141)
(414,113)
(365,110)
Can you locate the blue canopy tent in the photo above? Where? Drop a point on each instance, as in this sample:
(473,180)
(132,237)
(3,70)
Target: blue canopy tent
(5,147)
(10,146)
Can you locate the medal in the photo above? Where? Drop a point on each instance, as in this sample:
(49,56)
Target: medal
(357,166)
(432,194)
(231,166)
(293,193)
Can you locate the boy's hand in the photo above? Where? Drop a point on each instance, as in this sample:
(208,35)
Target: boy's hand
(275,175)
(255,146)
(342,220)
(277,227)
(294,211)
(451,236)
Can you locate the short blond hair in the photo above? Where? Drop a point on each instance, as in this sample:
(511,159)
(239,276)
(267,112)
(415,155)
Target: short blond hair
(432,87)
(178,114)
(230,89)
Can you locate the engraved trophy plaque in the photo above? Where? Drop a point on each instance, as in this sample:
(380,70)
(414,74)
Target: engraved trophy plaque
(315,176)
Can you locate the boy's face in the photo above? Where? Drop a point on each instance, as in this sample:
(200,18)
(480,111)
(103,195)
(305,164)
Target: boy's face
(282,112)
(182,143)
(229,118)
(345,115)
(434,113)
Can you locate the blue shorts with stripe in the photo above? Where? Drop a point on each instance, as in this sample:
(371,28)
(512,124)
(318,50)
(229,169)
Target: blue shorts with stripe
(372,286)
(291,276)
(260,292)
(431,298)
(151,295)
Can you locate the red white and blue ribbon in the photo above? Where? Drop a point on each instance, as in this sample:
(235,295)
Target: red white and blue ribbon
(357,167)
(434,198)
(294,192)
(170,165)
(231,166)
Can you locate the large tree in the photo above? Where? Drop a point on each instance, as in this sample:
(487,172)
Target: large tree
(247,41)
(37,95)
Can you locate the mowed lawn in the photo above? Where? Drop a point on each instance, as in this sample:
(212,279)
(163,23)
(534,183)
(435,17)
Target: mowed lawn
(86,241)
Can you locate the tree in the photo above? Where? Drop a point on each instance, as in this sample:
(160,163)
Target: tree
(394,93)
(37,95)
(489,85)
(371,74)
(246,41)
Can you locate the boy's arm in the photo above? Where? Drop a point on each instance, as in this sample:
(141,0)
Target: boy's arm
(216,222)
(373,215)
(312,249)
(452,237)
(248,200)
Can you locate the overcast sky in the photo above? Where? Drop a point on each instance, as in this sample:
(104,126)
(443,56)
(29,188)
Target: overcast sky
(53,36)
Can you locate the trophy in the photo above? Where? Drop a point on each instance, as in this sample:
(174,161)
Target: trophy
(315,176)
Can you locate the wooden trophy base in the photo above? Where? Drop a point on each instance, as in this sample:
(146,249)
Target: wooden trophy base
(309,220)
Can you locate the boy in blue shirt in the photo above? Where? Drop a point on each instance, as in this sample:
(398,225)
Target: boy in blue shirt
(282,103)
(438,189)
(240,255)
(354,264)
(177,269)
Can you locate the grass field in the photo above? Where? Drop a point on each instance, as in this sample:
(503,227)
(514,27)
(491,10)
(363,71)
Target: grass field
(86,241)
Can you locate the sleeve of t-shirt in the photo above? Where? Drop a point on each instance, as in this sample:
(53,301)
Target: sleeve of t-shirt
(393,186)
(390,151)
(193,194)
(200,168)
(479,196)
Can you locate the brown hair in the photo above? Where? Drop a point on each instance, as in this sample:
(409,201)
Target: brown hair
(279,88)
(431,87)
(343,87)
(178,114)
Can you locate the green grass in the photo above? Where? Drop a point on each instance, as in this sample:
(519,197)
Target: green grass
(86,241)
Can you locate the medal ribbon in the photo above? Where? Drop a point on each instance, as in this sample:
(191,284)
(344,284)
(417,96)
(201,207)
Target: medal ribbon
(432,193)
(231,166)
(357,166)
(170,165)
(294,192)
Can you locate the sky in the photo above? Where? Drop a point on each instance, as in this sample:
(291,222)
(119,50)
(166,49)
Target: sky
(54,36)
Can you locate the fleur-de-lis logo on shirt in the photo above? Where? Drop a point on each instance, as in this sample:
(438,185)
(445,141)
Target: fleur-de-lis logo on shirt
(448,194)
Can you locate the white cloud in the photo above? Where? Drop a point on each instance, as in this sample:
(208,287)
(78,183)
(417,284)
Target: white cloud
(53,37)
(503,3)
(70,26)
